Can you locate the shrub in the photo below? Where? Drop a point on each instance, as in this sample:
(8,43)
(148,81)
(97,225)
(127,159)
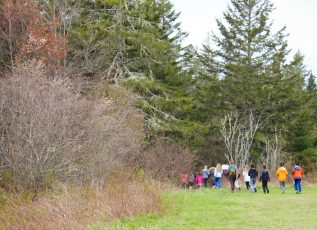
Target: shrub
(49,134)
(166,160)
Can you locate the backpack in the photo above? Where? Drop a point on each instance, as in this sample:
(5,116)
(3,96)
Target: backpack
(232,170)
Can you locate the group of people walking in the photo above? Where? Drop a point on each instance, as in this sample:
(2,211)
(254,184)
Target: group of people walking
(214,174)
(250,175)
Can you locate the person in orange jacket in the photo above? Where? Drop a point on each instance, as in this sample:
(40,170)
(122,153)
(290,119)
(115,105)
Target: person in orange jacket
(297,173)
(282,175)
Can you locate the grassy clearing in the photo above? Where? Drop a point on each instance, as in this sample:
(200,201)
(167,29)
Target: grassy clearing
(213,209)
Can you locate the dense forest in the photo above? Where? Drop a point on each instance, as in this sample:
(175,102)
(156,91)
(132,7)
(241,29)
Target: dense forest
(89,86)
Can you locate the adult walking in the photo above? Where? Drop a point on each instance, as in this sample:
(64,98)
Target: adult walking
(253,174)
(282,174)
(232,174)
(218,176)
(297,173)
(205,174)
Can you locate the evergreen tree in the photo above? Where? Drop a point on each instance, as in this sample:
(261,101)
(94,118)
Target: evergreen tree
(120,38)
(311,84)
(165,86)
(208,61)
(246,45)
(190,63)
(252,67)
(248,55)
(287,94)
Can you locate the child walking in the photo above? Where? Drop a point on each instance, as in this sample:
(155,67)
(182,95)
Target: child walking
(246,177)
(184,179)
(218,175)
(212,177)
(199,180)
(265,177)
(205,174)
(253,174)
(191,180)
(232,175)
(282,175)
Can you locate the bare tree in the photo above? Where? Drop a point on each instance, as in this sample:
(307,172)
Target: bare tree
(271,153)
(238,134)
(41,123)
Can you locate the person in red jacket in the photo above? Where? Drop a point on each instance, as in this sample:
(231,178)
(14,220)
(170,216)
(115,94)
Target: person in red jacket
(298,175)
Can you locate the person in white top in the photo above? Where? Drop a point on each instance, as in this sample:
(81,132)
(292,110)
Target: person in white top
(246,176)
(218,175)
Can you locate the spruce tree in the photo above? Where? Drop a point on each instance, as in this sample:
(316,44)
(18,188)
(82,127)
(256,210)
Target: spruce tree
(120,38)
(252,67)
(247,53)
(246,45)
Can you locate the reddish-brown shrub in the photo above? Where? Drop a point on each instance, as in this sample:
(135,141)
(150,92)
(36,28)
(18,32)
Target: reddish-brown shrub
(167,160)
(26,33)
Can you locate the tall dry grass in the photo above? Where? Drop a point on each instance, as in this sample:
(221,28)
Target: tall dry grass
(76,208)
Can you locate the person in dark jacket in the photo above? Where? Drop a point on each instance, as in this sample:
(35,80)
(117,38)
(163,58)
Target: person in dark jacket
(253,174)
(265,177)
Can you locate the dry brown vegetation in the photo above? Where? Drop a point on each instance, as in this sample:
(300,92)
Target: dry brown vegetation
(58,130)
(45,129)
(25,34)
(49,133)
(51,137)
(76,208)
(166,160)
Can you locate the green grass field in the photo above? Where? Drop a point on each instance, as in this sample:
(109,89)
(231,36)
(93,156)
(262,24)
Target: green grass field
(221,209)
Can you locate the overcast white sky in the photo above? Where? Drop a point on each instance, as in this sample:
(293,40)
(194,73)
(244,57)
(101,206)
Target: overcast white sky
(299,17)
